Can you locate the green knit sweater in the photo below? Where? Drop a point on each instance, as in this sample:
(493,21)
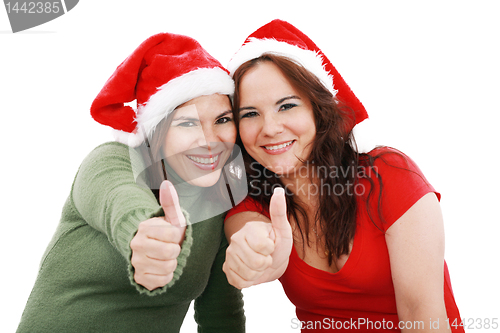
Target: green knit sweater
(85,282)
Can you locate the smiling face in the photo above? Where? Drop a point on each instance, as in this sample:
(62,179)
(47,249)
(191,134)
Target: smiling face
(200,139)
(277,124)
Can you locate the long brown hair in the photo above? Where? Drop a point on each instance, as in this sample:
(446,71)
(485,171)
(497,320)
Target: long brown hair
(333,145)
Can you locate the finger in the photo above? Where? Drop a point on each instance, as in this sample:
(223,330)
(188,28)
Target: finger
(253,238)
(144,264)
(159,267)
(152,281)
(169,201)
(163,251)
(160,230)
(234,279)
(259,241)
(277,210)
(239,267)
(243,257)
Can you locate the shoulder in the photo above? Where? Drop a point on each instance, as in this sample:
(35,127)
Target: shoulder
(109,149)
(393,182)
(249,204)
(110,163)
(390,164)
(112,153)
(388,157)
(106,151)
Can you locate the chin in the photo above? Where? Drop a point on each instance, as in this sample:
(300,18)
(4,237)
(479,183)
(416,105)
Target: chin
(207,180)
(283,169)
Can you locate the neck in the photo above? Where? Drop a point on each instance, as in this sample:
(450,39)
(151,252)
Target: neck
(305,188)
(187,193)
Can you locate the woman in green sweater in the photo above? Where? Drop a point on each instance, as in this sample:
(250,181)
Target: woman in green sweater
(128,255)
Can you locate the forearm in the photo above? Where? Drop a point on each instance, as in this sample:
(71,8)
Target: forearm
(109,198)
(423,319)
(236,222)
(106,195)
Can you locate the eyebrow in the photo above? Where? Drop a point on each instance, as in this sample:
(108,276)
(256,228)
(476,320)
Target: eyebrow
(185,118)
(277,103)
(224,113)
(246,108)
(287,98)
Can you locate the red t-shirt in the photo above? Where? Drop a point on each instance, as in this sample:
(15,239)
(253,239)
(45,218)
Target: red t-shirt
(361,295)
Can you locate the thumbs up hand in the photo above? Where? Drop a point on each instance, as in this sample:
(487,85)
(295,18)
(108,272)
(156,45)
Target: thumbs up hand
(259,252)
(157,243)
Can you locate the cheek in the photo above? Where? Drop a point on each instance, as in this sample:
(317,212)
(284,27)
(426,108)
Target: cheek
(307,130)
(176,141)
(306,126)
(248,133)
(228,134)
(167,145)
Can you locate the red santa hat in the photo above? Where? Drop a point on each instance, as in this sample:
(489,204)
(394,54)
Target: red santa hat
(281,38)
(165,71)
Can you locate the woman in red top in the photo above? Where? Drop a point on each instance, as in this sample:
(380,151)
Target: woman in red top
(358,240)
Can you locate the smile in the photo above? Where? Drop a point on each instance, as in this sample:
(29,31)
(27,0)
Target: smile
(280,146)
(202,160)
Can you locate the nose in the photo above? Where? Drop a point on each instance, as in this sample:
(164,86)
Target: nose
(207,138)
(272,125)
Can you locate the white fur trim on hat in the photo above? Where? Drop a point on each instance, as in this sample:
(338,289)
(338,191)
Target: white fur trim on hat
(200,82)
(310,60)
(133,140)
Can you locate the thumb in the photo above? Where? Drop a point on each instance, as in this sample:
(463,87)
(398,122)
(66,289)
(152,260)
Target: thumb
(277,211)
(169,201)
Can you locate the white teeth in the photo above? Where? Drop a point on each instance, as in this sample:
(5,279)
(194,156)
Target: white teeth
(201,160)
(278,146)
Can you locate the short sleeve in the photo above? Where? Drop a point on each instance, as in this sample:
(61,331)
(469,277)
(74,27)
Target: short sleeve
(398,183)
(249,204)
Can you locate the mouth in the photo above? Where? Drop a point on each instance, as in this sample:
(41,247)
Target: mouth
(279,147)
(205,162)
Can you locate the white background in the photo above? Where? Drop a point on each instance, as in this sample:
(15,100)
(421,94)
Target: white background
(427,71)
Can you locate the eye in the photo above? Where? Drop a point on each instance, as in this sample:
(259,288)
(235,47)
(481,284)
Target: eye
(186,124)
(287,106)
(223,120)
(250,114)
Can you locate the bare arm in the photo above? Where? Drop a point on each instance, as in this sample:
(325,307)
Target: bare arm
(237,221)
(416,250)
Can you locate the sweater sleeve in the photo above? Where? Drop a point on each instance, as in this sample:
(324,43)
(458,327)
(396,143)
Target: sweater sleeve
(109,198)
(219,309)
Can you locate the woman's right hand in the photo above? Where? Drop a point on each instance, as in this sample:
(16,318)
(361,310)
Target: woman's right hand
(259,251)
(157,243)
